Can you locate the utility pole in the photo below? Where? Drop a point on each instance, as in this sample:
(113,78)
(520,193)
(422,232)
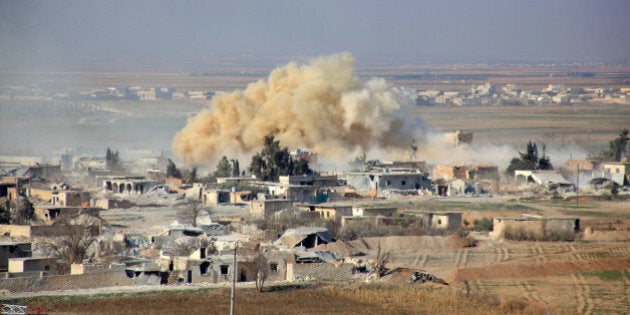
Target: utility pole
(233,293)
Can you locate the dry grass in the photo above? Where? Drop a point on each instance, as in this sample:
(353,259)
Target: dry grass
(351,299)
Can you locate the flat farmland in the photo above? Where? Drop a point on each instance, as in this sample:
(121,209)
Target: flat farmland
(590,125)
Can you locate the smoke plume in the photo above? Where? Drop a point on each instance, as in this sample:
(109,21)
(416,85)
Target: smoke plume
(321,105)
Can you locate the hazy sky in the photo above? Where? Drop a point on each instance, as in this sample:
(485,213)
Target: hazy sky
(66,30)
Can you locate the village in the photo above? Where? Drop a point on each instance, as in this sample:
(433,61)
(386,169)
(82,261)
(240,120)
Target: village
(87,223)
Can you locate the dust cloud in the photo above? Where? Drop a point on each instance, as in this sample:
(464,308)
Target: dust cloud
(321,105)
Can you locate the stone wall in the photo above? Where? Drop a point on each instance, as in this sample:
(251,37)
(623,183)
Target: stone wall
(110,278)
(320,271)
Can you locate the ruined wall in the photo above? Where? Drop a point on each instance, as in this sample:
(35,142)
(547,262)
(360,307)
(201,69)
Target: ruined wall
(67,282)
(17,265)
(535,229)
(446,221)
(450,172)
(319,271)
(360,182)
(43,194)
(263,208)
(70,198)
(215,197)
(15,230)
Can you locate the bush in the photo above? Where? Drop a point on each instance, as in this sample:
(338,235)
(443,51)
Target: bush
(484,225)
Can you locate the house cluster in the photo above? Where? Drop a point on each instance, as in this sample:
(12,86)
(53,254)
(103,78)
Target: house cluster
(510,94)
(477,95)
(234,246)
(109,93)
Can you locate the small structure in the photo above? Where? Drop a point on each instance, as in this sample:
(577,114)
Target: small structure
(127,184)
(377,183)
(49,213)
(307,237)
(619,172)
(328,211)
(549,179)
(374,211)
(32,265)
(443,220)
(263,208)
(535,227)
(310,180)
(458,137)
(10,250)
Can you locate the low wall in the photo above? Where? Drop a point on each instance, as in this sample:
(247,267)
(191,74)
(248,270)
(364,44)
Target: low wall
(15,230)
(67,282)
(320,271)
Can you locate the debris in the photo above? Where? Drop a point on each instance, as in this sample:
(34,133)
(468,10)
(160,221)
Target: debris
(422,277)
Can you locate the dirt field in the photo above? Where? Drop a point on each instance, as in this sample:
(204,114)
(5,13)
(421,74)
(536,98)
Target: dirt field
(561,127)
(587,276)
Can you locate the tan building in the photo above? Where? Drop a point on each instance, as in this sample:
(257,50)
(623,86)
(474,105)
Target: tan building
(263,208)
(327,211)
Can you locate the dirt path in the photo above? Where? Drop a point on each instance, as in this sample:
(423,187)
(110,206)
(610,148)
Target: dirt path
(583,293)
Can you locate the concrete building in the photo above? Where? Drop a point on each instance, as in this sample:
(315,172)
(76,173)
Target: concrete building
(310,180)
(374,211)
(379,183)
(263,208)
(535,227)
(33,265)
(548,179)
(147,95)
(307,237)
(458,137)
(127,184)
(617,171)
(10,250)
(328,211)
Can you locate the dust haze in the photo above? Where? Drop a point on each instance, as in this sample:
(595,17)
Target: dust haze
(321,105)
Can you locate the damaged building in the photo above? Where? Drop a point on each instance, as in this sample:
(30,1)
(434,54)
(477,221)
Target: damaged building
(459,179)
(306,237)
(127,184)
(551,180)
(377,184)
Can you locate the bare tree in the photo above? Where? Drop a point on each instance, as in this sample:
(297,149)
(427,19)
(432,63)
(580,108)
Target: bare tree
(262,274)
(191,210)
(73,245)
(382,258)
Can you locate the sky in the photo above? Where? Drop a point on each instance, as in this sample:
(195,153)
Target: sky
(36,31)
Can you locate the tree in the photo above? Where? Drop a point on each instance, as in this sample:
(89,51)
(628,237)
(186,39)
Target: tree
(190,175)
(72,246)
(191,211)
(530,160)
(112,161)
(22,212)
(5,211)
(172,171)
(262,273)
(236,169)
(224,169)
(273,161)
(382,258)
(617,148)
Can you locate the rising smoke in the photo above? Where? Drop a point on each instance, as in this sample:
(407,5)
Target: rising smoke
(321,105)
